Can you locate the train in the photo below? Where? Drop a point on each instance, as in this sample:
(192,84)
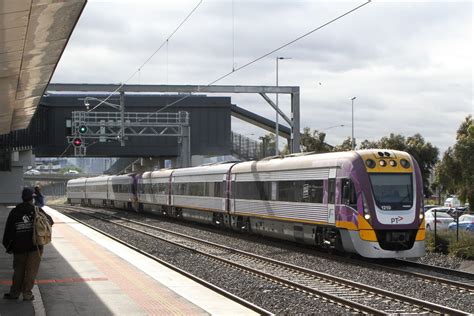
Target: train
(367,202)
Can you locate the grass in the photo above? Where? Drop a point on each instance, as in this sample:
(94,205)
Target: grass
(446,243)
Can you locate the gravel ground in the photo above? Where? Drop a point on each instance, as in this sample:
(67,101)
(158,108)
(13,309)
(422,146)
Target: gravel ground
(271,296)
(438,259)
(306,257)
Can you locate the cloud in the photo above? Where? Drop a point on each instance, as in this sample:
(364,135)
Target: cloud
(409,63)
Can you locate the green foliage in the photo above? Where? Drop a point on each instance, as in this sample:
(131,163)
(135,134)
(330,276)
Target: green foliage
(447,244)
(314,141)
(455,173)
(345,146)
(464,248)
(424,152)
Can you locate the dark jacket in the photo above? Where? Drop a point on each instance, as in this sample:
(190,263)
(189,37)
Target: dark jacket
(39,199)
(18,235)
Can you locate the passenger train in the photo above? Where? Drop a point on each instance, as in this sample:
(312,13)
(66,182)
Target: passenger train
(367,202)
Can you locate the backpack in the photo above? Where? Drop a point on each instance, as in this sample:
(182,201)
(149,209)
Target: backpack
(42,231)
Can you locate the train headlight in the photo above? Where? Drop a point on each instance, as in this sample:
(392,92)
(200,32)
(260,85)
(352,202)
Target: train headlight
(405,163)
(367,216)
(382,163)
(421,216)
(370,163)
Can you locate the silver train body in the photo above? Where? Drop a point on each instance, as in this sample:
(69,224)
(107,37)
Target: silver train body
(331,200)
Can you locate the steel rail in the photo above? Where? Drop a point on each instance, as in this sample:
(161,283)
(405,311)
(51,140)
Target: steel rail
(203,282)
(423,305)
(458,273)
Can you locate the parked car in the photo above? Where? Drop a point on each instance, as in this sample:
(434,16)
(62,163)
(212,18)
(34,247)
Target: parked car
(32,172)
(466,222)
(429,206)
(72,172)
(458,211)
(452,201)
(439,209)
(443,219)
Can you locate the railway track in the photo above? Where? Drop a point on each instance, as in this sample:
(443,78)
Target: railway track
(209,285)
(356,296)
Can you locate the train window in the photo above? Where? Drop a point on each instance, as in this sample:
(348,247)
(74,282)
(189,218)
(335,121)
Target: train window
(349,196)
(257,190)
(288,191)
(161,188)
(332,191)
(211,189)
(393,191)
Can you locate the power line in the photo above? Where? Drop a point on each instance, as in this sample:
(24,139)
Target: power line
(269,53)
(165,42)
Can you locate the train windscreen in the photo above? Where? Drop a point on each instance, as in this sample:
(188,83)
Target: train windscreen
(393,191)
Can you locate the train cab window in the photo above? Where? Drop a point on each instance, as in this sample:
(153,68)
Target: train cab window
(349,196)
(332,191)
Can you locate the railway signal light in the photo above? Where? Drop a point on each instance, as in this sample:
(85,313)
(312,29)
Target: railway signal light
(83,129)
(77,142)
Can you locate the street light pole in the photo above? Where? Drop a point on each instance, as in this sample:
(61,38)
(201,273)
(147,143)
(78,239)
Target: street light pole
(352,139)
(277,151)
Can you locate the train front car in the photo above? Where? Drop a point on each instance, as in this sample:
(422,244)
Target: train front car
(381,205)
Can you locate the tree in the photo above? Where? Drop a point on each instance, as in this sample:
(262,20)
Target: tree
(345,146)
(455,173)
(314,141)
(268,144)
(424,152)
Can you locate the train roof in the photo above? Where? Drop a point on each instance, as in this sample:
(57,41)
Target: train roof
(162,173)
(211,169)
(325,160)
(99,179)
(122,179)
(77,181)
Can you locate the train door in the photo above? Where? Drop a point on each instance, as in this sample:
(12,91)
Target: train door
(332,196)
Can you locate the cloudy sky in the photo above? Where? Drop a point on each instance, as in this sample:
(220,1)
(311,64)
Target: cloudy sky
(409,63)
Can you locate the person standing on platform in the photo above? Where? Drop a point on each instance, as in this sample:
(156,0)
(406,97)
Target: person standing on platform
(18,239)
(39,197)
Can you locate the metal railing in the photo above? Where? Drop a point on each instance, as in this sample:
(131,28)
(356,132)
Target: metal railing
(246,148)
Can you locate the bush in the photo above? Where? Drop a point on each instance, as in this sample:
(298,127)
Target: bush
(447,244)
(464,248)
(443,239)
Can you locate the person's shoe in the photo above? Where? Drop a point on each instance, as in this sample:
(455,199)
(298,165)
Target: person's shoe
(28,297)
(8,296)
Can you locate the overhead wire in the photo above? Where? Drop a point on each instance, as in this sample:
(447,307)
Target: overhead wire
(265,55)
(165,42)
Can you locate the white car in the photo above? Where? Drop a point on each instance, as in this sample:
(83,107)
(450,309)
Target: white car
(32,172)
(452,202)
(443,220)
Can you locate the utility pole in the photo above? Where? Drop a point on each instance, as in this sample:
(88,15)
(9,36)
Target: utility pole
(122,118)
(277,149)
(352,139)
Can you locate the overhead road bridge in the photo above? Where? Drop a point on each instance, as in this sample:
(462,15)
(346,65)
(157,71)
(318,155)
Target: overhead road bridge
(293,91)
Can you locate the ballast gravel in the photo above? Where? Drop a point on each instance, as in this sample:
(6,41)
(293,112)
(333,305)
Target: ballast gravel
(311,259)
(266,294)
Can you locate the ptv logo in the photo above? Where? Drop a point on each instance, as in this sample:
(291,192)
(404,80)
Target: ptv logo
(396,220)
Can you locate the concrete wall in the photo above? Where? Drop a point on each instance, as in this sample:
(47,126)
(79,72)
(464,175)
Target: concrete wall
(11,182)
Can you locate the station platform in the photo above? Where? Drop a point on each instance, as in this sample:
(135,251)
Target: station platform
(86,273)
